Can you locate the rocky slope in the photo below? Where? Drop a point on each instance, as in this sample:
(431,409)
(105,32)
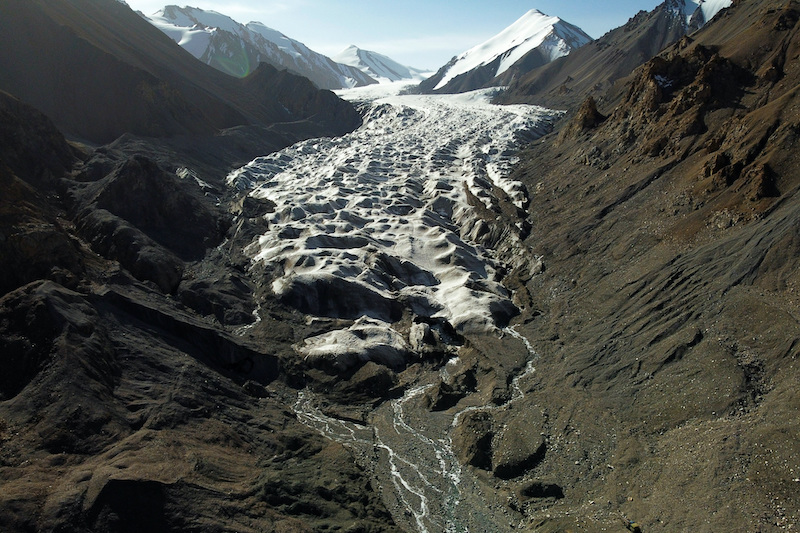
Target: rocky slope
(127,400)
(124,403)
(667,315)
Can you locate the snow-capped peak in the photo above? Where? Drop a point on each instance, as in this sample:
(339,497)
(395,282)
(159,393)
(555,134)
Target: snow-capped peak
(192,16)
(376,65)
(697,12)
(533,30)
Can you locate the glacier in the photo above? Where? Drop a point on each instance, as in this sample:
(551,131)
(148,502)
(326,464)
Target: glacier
(382,223)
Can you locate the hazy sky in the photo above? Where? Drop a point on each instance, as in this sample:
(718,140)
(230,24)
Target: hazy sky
(417,33)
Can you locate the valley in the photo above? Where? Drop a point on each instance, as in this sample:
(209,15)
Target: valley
(551,288)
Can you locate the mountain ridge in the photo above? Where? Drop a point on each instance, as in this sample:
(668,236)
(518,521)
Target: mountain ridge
(152,87)
(591,70)
(235,48)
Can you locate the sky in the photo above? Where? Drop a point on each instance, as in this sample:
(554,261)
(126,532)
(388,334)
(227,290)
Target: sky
(418,33)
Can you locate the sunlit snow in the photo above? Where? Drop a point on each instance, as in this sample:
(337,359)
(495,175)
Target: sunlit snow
(708,8)
(532,30)
(378,66)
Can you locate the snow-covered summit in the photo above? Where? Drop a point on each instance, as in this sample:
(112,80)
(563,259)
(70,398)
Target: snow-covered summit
(377,66)
(534,31)
(696,13)
(237,48)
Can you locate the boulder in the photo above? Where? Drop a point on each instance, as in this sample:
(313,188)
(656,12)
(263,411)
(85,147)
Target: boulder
(519,446)
(472,439)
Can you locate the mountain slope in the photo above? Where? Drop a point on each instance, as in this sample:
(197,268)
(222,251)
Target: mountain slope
(376,65)
(237,49)
(548,38)
(99,70)
(590,70)
(667,312)
(123,408)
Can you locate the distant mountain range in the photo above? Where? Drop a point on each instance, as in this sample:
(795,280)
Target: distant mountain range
(592,69)
(98,70)
(237,48)
(539,53)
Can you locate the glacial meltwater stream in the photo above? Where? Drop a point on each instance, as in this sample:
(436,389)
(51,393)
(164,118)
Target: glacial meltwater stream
(410,451)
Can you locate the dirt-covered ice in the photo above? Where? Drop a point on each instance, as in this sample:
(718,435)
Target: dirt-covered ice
(378,222)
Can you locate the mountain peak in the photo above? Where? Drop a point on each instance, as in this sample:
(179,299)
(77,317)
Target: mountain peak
(376,65)
(551,36)
(696,13)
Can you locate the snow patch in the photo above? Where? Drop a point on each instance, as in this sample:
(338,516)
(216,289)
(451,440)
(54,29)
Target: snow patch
(690,9)
(366,340)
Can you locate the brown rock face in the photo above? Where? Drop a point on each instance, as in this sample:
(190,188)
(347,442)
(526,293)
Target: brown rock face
(520,446)
(33,156)
(587,118)
(472,440)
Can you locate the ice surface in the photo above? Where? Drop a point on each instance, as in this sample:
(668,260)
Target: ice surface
(378,222)
(711,7)
(366,340)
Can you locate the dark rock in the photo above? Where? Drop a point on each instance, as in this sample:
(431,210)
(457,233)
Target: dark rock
(131,505)
(158,203)
(33,241)
(372,380)
(339,298)
(472,440)
(519,447)
(113,238)
(539,490)
(30,145)
(586,118)
(229,298)
(447,394)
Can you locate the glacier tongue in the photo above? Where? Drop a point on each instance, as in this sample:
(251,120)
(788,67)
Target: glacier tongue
(378,223)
